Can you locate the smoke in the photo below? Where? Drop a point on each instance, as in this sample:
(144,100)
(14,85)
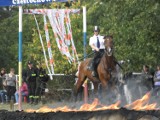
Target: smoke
(134,86)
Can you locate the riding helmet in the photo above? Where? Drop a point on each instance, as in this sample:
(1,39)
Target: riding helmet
(96,29)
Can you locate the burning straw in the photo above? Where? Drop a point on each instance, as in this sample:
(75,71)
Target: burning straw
(140,104)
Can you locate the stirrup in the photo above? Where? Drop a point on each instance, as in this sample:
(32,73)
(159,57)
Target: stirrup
(88,67)
(93,74)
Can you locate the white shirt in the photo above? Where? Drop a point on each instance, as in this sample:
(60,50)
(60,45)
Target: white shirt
(93,41)
(157,74)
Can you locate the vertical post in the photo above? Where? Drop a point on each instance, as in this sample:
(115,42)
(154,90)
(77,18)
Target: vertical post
(84,44)
(20,58)
(84,31)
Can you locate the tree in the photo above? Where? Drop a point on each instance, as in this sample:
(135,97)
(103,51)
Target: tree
(134,26)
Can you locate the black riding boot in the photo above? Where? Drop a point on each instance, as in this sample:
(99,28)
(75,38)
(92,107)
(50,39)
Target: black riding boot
(93,67)
(94,63)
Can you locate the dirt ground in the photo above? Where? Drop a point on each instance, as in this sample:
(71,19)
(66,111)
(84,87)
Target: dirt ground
(121,114)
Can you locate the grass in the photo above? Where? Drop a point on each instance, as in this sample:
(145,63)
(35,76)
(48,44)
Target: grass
(53,104)
(25,106)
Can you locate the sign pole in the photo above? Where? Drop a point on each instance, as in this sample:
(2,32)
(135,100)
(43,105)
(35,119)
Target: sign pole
(20,57)
(84,43)
(84,31)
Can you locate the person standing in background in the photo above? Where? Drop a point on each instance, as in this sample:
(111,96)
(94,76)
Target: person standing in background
(145,85)
(42,80)
(30,76)
(11,84)
(3,92)
(156,89)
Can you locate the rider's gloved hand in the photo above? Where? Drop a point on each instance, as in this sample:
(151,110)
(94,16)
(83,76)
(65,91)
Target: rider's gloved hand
(97,49)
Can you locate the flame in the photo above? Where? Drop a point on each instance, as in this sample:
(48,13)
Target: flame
(47,109)
(90,107)
(140,104)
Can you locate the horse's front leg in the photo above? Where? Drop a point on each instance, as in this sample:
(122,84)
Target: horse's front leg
(78,86)
(117,94)
(102,90)
(116,89)
(95,84)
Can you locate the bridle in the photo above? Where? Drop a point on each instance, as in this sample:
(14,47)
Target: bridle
(108,51)
(108,46)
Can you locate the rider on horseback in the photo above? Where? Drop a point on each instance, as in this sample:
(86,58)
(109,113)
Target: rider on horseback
(97,44)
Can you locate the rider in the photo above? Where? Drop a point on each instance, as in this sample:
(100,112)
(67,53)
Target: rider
(97,44)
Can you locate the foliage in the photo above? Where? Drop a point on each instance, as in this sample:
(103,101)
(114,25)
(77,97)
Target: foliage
(134,26)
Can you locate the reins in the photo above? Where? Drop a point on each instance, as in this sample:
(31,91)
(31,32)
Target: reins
(86,56)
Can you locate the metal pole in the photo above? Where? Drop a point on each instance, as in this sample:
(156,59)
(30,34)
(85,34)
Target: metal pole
(20,57)
(84,43)
(84,31)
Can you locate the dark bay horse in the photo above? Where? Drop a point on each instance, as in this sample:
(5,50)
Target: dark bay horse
(106,68)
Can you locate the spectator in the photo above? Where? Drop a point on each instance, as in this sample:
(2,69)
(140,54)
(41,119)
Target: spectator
(157,82)
(30,76)
(152,72)
(147,78)
(41,84)
(3,95)
(2,77)
(10,84)
(3,92)
(24,92)
(144,83)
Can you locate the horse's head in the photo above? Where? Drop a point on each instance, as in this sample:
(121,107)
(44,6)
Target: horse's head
(108,43)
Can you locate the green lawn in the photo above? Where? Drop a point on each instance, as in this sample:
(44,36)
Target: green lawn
(53,104)
(25,106)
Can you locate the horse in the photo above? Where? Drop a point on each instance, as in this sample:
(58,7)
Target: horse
(106,69)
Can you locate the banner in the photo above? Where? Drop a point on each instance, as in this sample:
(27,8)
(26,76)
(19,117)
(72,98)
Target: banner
(22,2)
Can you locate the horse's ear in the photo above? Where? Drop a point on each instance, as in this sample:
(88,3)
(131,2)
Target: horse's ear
(108,37)
(111,36)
